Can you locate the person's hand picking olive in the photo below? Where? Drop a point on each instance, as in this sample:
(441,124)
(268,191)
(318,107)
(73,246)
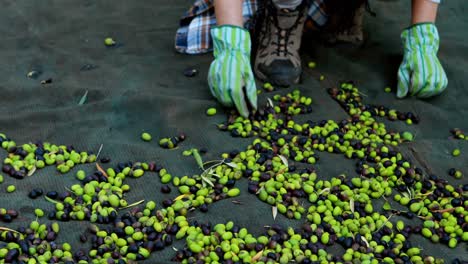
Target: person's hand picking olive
(230,77)
(421,74)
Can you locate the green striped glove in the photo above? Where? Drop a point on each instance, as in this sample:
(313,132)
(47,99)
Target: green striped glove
(421,73)
(230,71)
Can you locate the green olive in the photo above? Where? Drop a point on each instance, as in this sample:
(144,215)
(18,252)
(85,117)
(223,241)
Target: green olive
(211,111)
(11,188)
(145,136)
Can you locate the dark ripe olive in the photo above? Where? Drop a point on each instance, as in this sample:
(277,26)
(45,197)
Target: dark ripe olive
(33,194)
(23,245)
(174,229)
(456,202)
(51,215)
(252,188)
(51,236)
(13,213)
(272,244)
(83,238)
(112,215)
(452,171)
(10,237)
(7,169)
(158,245)
(151,166)
(12,255)
(132,248)
(63,195)
(275,237)
(7,218)
(168,240)
(230,183)
(271,255)
(149,245)
(418,171)
(190,72)
(101,251)
(259,247)
(229,261)
(152,236)
(115,255)
(18,175)
(110,261)
(206,230)
(265,177)
(235,229)
(181,136)
(105,160)
(193,189)
(166,203)
(386,230)
(52,194)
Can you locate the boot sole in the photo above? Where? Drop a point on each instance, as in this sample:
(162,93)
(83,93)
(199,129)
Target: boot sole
(283,82)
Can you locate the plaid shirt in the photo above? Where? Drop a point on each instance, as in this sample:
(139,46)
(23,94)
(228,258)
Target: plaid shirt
(193,36)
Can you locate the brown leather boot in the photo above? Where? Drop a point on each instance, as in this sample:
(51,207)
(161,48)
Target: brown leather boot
(279,38)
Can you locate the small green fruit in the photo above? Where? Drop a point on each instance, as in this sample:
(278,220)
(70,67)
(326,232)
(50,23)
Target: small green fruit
(109,42)
(146,136)
(211,111)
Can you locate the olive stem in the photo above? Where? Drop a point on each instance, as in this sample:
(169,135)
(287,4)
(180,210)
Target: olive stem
(8,229)
(99,151)
(131,205)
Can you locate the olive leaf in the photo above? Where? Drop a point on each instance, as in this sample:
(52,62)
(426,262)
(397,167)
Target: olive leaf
(31,172)
(259,190)
(270,102)
(351,205)
(365,241)
(324,190)
(175,249)
(257,256)
(232,165)
(99,168)
(205,179)
(387,206)
(412,192)
(84,98)
(181,197)
(274,211)
(99,151)
(284,160)
(51,200)
(198,158)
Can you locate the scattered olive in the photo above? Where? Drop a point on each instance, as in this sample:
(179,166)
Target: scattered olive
(109,42)
(146,136)
(11,188)
(211,111)
(190,72)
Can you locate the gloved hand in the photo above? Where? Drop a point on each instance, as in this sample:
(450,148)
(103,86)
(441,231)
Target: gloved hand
(231,71)
(421,73)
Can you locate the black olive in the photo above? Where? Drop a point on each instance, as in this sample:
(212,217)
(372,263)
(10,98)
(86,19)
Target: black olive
(52,195)
(190,72)
(105,160)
